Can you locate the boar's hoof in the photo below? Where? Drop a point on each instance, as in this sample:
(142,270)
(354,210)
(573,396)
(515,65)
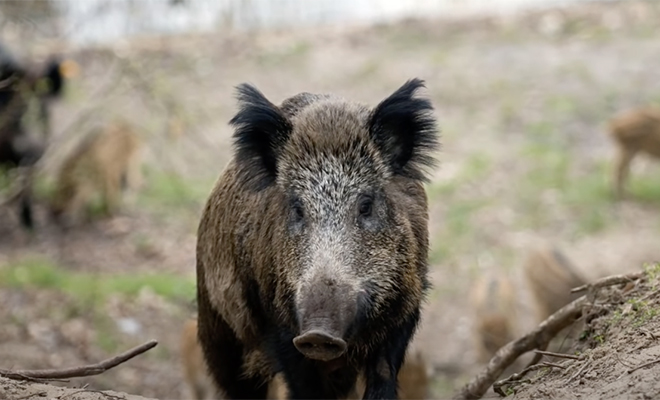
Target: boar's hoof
(319,345)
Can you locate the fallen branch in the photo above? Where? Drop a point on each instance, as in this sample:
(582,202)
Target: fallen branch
(558,355)
(630,371)
(609,281)
(578,373)
(497,386)
(505,356)
(77,372)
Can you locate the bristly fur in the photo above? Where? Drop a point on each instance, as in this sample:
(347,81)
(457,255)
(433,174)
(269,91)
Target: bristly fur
(336,241)
(261,128)
(410,122)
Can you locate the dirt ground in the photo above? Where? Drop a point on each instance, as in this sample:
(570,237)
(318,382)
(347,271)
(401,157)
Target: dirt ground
(619,351)
(522,103)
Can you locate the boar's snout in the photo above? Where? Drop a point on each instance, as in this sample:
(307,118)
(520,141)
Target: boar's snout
(326,310)
(319,345)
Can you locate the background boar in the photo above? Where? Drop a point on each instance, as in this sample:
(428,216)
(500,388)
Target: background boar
(551,276)
(635,131)
(192,362)
(312,248)
(494,304)
(105,163)
(19,85)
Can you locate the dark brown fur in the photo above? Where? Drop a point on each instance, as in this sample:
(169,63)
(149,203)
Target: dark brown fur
(551,276)
(635,131)
(264,286)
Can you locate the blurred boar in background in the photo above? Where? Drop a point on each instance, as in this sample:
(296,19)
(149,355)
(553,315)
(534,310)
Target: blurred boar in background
(105,163)
(494,303)
(313,247)
(551,276)
(634,131)
(19,86)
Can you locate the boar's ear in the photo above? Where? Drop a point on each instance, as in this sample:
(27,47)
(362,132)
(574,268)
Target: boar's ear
(405,131)
(261,128)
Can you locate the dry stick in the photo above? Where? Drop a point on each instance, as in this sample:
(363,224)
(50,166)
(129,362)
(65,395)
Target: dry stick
(497,386)
(536,339)
(558,355)
(616,354)
(506,355)
(77,372)
(630,371)
(578,373)
(38,394)
(650,334)
(609,281)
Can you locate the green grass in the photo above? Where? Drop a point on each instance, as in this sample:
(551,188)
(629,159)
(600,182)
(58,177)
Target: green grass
(167,191)
(586,197)
(85,287)
(645,188)
(457,230)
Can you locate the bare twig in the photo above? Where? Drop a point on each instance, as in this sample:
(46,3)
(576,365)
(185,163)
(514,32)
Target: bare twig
(630,371)
(76,372)
(609,281)
(39,394)
(558,355)
(84,390)
(616,354)
(651,335)
(505,356)
(578,373)
(497,386)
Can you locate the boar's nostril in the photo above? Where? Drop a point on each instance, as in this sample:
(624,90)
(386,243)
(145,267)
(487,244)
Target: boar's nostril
(319,345)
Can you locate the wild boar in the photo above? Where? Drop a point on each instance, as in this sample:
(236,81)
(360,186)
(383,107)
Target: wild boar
(312,248)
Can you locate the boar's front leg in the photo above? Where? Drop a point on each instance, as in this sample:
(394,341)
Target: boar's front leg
(383,368)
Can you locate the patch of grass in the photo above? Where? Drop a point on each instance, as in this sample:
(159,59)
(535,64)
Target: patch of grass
(439,190)
(643,312)
(652,272)
(586,196)
(644,188)
(89,288)
(442,387)
(456,229)
(169,191)
(106,336)
(600,339)
(476,167)
(561,104)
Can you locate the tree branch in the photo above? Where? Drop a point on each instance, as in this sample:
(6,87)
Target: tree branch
(77,372)
(609,281)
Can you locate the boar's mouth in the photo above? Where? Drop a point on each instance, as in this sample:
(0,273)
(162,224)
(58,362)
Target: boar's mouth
(327,309)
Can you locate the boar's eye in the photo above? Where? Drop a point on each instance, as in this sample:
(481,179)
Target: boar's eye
(365,205)
(297,209)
